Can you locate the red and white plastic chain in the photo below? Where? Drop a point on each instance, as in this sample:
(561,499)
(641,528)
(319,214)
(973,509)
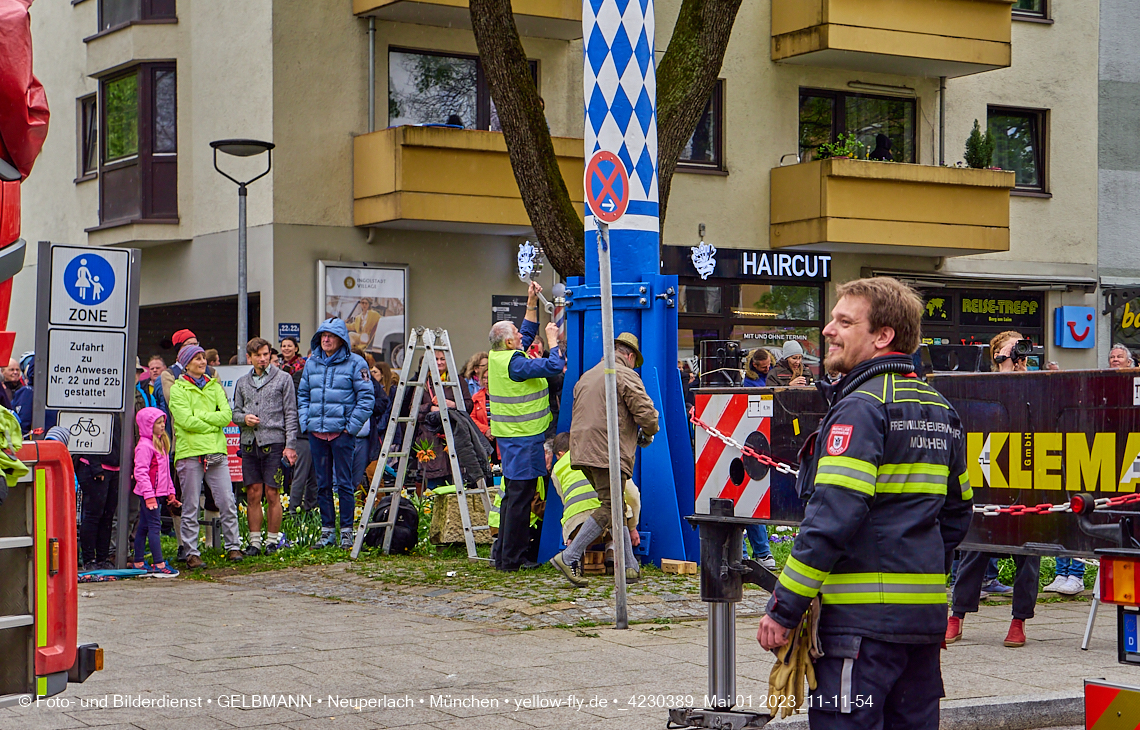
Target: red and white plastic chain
(1015,510)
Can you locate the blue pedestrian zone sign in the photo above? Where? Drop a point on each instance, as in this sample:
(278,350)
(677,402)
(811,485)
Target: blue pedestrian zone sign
(89,279)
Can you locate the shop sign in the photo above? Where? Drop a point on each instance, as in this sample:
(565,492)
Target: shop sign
(1012,312)
(1074,328)
(509,307)
(1126,323)
(705,261)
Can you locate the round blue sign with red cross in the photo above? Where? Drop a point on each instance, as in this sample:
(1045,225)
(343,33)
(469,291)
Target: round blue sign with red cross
(607,186)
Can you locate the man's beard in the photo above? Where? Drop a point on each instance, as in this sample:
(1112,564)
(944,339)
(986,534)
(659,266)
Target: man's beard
(835,362)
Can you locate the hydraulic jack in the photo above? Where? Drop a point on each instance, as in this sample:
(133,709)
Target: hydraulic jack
(723,574)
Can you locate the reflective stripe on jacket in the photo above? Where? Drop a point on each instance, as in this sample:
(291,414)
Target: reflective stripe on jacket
(891,501)
(578,494)
(515,409)
(497,502)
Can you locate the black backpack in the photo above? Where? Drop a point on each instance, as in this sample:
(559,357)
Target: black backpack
(404,534)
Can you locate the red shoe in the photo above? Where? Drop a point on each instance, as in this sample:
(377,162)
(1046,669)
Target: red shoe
(953,629)
(1016,636)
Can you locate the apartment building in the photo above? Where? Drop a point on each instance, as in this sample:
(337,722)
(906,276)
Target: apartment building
(398,208)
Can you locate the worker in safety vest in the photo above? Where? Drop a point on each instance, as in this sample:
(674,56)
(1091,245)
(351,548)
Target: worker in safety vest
(518,404)
(888,501)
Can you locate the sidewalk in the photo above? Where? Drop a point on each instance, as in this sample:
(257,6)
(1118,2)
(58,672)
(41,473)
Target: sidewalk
(257,640)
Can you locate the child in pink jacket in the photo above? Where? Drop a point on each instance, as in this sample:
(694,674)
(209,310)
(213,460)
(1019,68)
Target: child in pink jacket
(152,484)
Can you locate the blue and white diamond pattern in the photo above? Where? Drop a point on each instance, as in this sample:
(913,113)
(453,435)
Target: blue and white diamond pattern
(620,94)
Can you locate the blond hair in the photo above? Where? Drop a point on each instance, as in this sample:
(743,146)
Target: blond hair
(890,303)
(159,438)
(999,341)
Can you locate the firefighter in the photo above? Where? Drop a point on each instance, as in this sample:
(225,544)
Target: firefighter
(888,501)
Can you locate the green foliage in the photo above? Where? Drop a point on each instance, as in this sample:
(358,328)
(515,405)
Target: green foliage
(979,148)
(122,115)
(846,145)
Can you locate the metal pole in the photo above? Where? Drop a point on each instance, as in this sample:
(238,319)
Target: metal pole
(372,74)
(722,655)
(617,489)
(43,309)
(243,299)
(942,120)
(127,415)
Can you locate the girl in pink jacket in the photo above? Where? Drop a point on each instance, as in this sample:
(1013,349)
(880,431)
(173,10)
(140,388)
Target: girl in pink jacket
(152,484)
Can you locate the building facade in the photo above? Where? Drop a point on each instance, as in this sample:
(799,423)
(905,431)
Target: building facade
(414,181)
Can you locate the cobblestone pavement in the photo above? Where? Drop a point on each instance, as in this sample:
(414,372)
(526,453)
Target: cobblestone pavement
(224,649)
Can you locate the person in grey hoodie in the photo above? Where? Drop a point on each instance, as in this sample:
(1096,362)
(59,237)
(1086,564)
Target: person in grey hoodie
(265,407)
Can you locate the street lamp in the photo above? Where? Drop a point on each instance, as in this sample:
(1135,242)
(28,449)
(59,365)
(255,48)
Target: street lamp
(242,148)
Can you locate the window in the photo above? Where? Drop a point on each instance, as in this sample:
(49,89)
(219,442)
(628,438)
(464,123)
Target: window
(1031,8)
(114,14)
(88,146)
(824,115)
(435,88)
(1019,145)
(705,149)
(138,173)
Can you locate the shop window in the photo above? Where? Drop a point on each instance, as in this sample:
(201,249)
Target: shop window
(1019,145)
(139,165)
(705,149)
(824,115)
(1031,8)
(114,14)
(427,88)
(88,140)
(974,316)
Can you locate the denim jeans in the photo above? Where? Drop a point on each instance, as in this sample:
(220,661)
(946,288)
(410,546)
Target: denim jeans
(758,536)
(1068,566)
(359,460)
(332,462)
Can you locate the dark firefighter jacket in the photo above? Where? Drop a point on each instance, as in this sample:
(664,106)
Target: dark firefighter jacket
(890,500)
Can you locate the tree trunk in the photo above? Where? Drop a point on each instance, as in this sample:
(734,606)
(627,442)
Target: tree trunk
(686,78)
(544,192)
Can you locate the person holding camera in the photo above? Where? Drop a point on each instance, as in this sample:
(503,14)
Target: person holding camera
(1007,357)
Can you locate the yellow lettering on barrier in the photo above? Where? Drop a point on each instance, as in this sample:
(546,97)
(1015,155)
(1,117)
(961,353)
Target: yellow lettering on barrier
(1129,468)
(1047,460)
(997,479)
(1084,469)
(975,442)
(1020,456)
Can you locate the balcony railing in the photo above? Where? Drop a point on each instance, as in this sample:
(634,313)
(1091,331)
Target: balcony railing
(925,38)
(561,19)
(886,207)
(439,178)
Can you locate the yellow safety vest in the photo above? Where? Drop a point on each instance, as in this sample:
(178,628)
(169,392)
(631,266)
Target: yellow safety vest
(493,518)
(578,494)
(515,409)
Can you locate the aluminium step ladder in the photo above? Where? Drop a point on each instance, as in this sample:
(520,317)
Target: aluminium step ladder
(429,341)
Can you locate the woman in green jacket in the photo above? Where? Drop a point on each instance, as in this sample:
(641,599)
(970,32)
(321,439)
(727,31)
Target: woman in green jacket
(200,411)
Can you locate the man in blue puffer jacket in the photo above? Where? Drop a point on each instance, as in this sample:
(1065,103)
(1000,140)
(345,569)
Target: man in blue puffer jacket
(334,401)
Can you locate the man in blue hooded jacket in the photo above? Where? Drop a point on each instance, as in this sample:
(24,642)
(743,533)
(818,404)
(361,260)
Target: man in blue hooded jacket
(335,400)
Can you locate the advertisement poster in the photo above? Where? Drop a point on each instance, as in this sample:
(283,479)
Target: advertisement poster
(228,376)
(372,301)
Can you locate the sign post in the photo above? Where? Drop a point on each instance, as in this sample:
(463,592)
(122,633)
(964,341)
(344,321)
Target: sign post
(87,303)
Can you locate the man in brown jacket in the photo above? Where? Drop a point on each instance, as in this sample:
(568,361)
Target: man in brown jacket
(589,450)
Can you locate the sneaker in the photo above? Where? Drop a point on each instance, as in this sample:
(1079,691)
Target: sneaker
(347,539)
(632,575)
(328,539)
(270,549)
(995,588)
(1016,636)
(163,571)
(1073,585)
(1057,585)
(953,629)
(194,562)
(252,551)
(767,561)
(573,571)
(235,556)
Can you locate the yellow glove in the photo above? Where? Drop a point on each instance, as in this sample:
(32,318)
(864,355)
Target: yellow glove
(794,665)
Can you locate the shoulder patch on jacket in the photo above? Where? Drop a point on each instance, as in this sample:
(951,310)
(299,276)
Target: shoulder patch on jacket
(838,439)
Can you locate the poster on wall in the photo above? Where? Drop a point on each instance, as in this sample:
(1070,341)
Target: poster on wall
(372,301)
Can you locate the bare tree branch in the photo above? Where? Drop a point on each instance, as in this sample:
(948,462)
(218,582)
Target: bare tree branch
(531,150)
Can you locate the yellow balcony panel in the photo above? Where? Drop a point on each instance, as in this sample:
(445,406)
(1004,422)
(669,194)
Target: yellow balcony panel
(886,207)
(560,19)
(925,38)
(442,179)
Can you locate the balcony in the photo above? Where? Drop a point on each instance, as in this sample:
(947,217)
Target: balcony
(891,208)
(925,38)
(443,179)
(560,19)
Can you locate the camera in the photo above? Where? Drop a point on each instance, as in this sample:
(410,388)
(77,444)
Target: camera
(1023,349)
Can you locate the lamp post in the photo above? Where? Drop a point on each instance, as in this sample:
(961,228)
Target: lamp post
(242,148)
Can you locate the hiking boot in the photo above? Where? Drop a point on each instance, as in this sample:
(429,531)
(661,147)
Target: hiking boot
(235,556)
(194,562)
(573,571)
(953,630)
(632,575)
(1016,636)
(252,551)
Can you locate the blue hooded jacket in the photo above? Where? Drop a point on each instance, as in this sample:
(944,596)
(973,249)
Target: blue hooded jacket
(336,390)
